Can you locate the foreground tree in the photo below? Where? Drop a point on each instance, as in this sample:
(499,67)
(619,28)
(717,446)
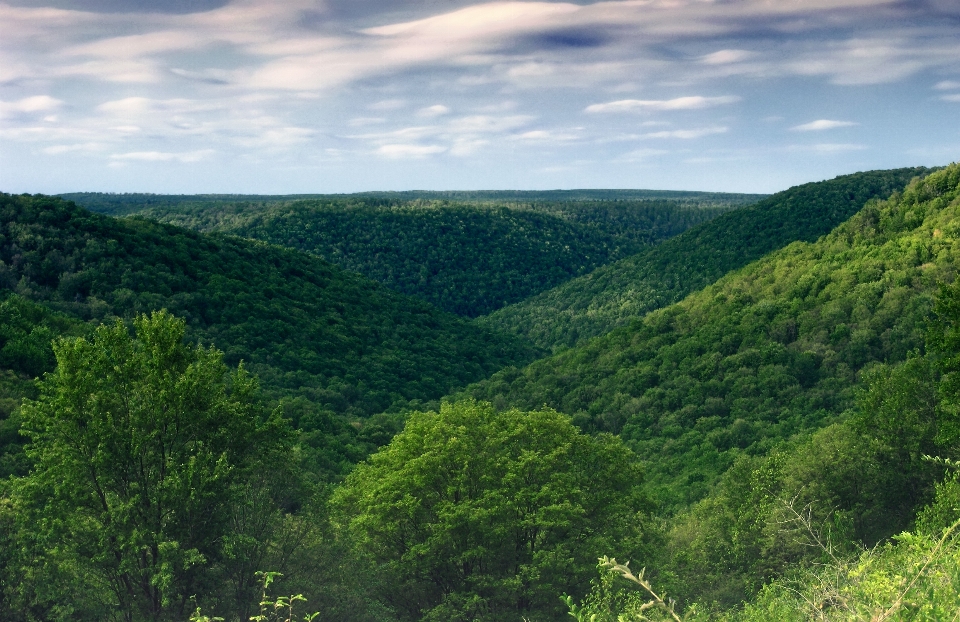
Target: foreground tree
(150,462)
(474,514)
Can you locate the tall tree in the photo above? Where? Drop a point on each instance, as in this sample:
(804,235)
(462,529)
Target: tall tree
(482,515)
(143,447)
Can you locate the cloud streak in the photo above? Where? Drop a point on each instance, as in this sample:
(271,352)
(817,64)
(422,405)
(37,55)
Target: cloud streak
(821,124)
(695,102)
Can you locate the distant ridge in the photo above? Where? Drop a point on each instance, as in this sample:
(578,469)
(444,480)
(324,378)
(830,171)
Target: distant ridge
(611,295)
(117,204)
(466,256)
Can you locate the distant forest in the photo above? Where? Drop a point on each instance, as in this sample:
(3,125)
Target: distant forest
(468,258)
(757,406)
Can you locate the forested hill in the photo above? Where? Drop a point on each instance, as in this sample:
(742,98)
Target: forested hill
(126,203)
(610,296)
(331,340)
(466,258)
(768,352)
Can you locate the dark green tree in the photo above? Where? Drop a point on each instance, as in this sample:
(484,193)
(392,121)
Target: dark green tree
(475,514)
(150,461)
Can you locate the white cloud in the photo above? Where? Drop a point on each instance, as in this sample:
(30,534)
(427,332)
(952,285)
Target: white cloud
(437,110)
(821,124)
(947,85)
(36,103)
(951,98)
(549,135)
(723,57)
(687,134)
(680,103)
(162,156)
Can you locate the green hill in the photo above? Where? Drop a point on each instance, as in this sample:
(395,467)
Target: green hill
(768,352)
(610,296)
(468,257)
(340,343)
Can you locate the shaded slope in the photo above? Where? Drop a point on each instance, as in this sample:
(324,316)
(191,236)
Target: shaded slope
(765,353)
(609,296)
(466,258)
(26,330)
(343,343)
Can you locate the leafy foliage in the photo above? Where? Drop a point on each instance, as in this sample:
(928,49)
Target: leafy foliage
(768,352)
(339,342)
(480,515)
(610,296)
(468,259)
(144,451)
(26,330)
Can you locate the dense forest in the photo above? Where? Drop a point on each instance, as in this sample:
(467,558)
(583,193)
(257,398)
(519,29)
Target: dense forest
(465,258)
(328,343)
(609,297)
(198,426)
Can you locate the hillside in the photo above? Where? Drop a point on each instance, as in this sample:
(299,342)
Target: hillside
(309,330)
(610,296)
(126,203)
(768,352)
(468,257)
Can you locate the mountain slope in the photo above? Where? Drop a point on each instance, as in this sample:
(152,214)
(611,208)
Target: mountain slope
(768,352)
(466,258)
(608,297)
(340,342)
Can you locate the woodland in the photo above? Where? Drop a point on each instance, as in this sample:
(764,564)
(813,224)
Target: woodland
(595,405)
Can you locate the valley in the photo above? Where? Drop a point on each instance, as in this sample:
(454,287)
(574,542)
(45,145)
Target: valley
(448,405)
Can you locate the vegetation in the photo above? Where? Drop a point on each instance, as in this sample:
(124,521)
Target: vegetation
(787,440)
(145,453)
(468,259)
(26,331)
(768,352)
(612,295)
(308,329)
(480,515)
(847,524)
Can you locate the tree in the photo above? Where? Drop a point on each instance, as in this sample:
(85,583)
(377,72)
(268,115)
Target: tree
(478,514)
(143,447)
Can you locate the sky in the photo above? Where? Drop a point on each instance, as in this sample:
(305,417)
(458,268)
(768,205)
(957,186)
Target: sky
(331,96)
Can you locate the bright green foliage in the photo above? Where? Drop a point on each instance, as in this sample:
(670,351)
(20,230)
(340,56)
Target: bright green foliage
(468,259)
(480,515)
(610,600)
(610,296)
(916,577)
(745,533)
(156,477)
(767,352)
(343,343)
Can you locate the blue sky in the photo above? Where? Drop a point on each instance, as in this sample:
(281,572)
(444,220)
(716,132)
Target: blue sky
(310,96)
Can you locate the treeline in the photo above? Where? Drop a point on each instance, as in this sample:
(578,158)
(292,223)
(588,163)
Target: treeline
(608,297)
(468,259)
